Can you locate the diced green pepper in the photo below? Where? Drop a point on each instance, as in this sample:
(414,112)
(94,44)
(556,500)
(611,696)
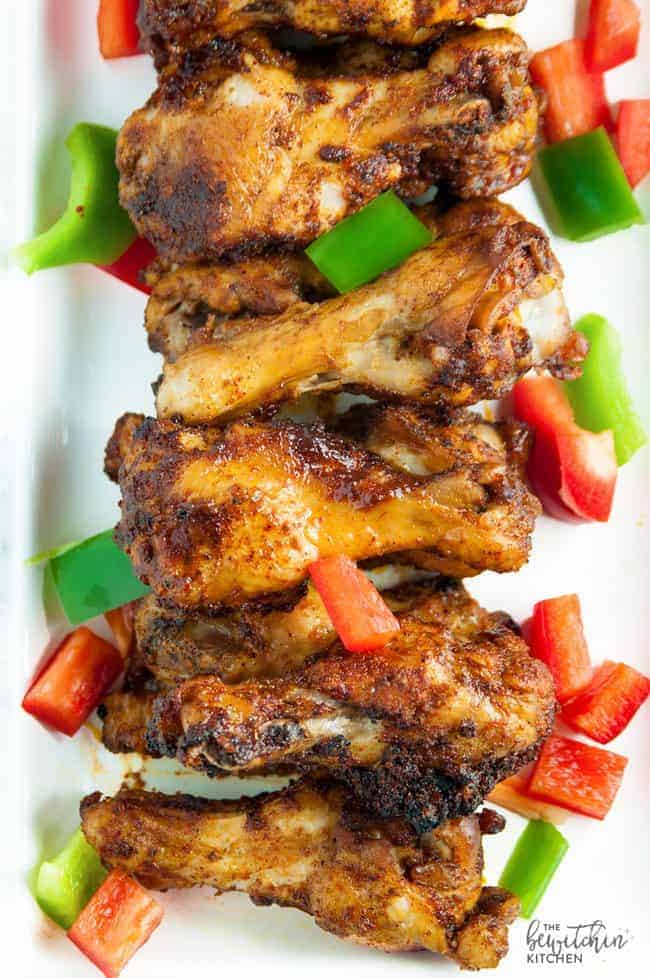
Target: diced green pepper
(600,398)
(94,577)
(93,228)
(585,192)
(381,236)
(66,883)
(539,851)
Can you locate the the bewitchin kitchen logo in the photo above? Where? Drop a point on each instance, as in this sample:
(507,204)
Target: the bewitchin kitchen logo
(553,943)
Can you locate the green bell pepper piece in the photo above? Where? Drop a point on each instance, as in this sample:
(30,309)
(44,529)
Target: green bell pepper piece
(584,191)
(600,398)
(537,854)
(93,228)
(93,577)
(380,236)
(66,883)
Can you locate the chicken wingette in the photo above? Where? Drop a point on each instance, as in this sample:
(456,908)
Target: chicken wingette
(243,148)
(251,643)
(311,847)
(216,518)
(180,24)
(457,322)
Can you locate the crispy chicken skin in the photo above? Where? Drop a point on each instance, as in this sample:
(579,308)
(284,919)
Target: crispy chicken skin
(242,148)
(252,643)
(312,848)
(443,328)
(217,518)
(423,729)
(179,24)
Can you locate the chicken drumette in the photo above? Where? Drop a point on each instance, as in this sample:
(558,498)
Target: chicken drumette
(311,847)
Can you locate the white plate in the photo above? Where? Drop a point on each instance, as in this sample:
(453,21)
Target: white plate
(76,357)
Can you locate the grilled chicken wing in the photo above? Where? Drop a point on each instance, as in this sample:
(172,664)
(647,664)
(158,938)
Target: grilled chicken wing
(170,24)
(242,148)
(217,518)
(310,847)
(445,327)
(250,643)
(423,729)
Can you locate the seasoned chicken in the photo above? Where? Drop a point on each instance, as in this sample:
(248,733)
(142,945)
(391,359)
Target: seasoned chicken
(217,518)
(180,24)
(423,729)
(242,148)
(312,848)
(250,643)
(446,327)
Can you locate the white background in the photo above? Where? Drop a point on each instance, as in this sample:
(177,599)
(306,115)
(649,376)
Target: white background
(74,357)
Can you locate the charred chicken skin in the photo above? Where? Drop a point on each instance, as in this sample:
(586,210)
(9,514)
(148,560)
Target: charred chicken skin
(217,518)
(311,847)
(445,327)
(422,730)
(242,148)
(179,24)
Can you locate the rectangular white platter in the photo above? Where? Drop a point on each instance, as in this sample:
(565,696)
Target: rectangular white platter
(76,358)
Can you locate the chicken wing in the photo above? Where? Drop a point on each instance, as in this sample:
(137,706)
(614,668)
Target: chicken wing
(242,148)
(250,643)
(423,729)
(217,518)
(170,24)
(312,848)
(446,327)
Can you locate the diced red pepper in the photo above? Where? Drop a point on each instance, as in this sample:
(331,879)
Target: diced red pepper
(121,622)
(361,617)
(576,100)
(117,27)
(612,33)
(116,922)
(607,705)
(557,638)
(513,795)
(633,138)
(74,681)
(572,471)
(132,263)
(576,776)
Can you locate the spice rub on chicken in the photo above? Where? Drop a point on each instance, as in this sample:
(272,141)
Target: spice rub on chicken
(216,518)
(457,322)
(174,25)
(313,848)
(243,148)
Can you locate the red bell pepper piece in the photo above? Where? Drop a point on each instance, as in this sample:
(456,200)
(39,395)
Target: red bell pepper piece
(116,922)
(74,681)
(607,705)
(513,795)
(633,138)
(612,33)
(557,638)
(117,27)
(576,100)
(131,264)
(576,776)
(572,471)
(361,617)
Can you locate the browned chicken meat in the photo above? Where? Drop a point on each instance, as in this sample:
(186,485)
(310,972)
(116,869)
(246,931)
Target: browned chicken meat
(311,847)
(242,147)
(217,518)
(250,643)
(179,24)
(423,729)
(446,327)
